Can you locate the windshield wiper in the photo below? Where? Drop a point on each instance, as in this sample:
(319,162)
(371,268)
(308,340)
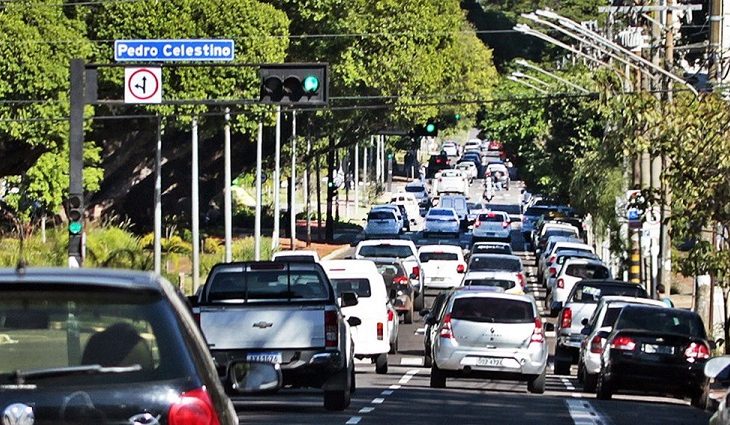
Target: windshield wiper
(20,376)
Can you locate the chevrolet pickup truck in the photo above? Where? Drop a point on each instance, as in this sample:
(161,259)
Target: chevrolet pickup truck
(285,313)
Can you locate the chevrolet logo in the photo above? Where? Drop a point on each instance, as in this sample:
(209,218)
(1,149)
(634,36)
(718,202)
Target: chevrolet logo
(263,325)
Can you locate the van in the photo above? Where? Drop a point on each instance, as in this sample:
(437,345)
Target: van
(458,203)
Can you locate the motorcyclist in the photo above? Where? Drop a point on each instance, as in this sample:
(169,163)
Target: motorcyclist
(488,187)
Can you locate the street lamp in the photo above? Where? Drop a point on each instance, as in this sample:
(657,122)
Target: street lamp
(550,74)
(518,74)
(523,82)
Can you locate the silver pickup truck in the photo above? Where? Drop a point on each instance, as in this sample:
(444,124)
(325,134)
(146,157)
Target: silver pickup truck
(282,313)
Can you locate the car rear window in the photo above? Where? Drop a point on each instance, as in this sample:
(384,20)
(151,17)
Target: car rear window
(52,327)
(561,233)
(493,310)
(498,283)
(359,286)
(415,189)
(587,271)
(390,251)
(441,213)
(479,263)
(390,271)
(438,256)
(295,258)
(661,320)
(537,211)
(609,319)
(592,293)
(257,285)
(491,249)
(381,215)
(496,218)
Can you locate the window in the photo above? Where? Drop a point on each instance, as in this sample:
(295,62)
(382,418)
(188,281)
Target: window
(381,215)
(591,294)
(587,271)
(415,189)
(484,262)
(359,286)
(494,310)
(393,251)
(267,285)
(491,217)
(611,315)
(438,256)
(661,320)
(441,213)
(498,283)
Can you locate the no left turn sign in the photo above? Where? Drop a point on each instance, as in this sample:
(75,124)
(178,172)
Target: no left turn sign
(142,85)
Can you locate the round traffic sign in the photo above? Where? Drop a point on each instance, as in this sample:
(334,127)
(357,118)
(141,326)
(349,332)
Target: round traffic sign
(143,84)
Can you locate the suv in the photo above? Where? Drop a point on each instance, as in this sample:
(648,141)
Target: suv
(574,270)
(92,346)
(458,203)
(435,164)
(581,304)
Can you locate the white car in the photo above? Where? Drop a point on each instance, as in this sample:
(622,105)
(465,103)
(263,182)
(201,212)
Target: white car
(499,263)
(473,144)
(443,266)
(418,189)
(304,256)
(450,149)
(474,209)
(410,203)
(382,222)
(492,225)
(440,221)
(372,336)
(573,270)
(469,169)
(554,246)
(499,279)
(451,181)
(396,209)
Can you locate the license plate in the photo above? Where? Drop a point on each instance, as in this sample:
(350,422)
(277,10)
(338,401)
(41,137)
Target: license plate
(489,361)
(264,357)
(437,279)
(657,349)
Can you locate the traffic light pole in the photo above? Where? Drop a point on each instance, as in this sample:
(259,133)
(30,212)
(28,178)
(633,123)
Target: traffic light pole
(277,178)
(76,158)
(292,187)
(257,220)
(330,223)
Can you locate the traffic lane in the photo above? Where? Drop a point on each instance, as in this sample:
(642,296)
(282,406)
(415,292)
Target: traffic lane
(666,411)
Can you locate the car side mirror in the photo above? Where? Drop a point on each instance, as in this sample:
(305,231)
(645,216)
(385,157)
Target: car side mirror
(354,321)
(348,299)
(255,377)
(584,322)
(549,327)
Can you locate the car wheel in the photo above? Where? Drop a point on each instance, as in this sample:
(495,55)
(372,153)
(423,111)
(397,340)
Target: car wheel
(427,360)
(408,315)
(418,302)
(381,364)
(536,385)
(337,400)
(438,378)
(590,381)
(603,389)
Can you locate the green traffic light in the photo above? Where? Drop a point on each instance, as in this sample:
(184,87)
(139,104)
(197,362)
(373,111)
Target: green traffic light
(311,84)
(430,127)
(75,227)
(457,117)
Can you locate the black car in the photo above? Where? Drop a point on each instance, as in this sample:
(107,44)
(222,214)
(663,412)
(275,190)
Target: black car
(89,346)
(437,163)
(398,285)
(431,317)
(655,350)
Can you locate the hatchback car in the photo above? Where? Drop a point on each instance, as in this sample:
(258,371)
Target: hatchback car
(440,221)
(382,222)
(398,284)
(443,265)
(573,271)
(488,334)
(492,225)
(92,346)
(418,190)
(468,168)
(491,248)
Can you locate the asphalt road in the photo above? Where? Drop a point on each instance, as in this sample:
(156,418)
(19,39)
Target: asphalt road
(403,396)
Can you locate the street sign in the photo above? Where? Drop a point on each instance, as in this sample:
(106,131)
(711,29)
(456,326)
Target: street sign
(142,85)
(173,50)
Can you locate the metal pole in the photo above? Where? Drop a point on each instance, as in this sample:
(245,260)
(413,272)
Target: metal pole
(357,178)
(227,187)
(365,167)
(158,198)
(307,195)
(76,155)
(293,206)
(277,180)
(257,222)
(377,158)
(195,214)
(715,41)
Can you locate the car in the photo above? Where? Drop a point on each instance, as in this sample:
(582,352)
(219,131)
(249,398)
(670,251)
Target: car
(469,169)
(410,208)
(418,189)
(476,158)
(498,279)
(458,204)
(451,181)
(443,266)
(373,335)
(573,271)
(304,255)
(473,144)
(551,230)
(491,248)
(488,334)
(450,148)
(494,225)
(499,263)
(655,351)
(498,168)
(399,286)
(554,246)
(561,257)
(400,212)
(581,304)
(406,251)
(431,317)
(92,346)
(437,163)
(529,218)
(595,330)
(474,209)
(717,371)
(440,221)
(382,222)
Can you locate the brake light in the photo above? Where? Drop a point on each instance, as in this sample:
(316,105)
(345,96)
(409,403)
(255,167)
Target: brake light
(446,331)
(477,224)
(391,316)
(505,224)
(379,331)
(330,329)
(491,214)
(522,280)
(416,272)
(566,318)
(622,342)
(194,408)
(553,271)
(560,283)
(537,335)
(597,345)
(400,280)
(460,268)
(697,351)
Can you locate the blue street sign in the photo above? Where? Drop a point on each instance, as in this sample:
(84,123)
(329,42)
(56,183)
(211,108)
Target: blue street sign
(173,50)
(633,214)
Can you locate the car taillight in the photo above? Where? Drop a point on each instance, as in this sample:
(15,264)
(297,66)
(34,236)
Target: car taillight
(446,331)
(597,345)
(416,272)
(560,283)
(460,268)
(194,408)
(553,271)
(400,280)
(505,224)
(566,319)
(379,331)
(391,315)
(697,351)
(330,329)
(622,342)
(522,280)
(537,335)
(478,223)
(551,259)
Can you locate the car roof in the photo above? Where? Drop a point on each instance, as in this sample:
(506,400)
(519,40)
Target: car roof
(496,274)
(489,292)
(440,209)
(440,248)
(578,260)
(349,266)
(375,242)
(624,300)
(506,244)
(112,278)
(606,282)
(416,183)
(495,255)
(297,252)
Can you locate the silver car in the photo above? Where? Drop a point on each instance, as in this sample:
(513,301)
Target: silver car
(442,220)
(493,335)
(382,222)
(492,225)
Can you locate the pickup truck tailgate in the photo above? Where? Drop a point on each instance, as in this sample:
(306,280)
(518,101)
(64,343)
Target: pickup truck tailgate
(264,326)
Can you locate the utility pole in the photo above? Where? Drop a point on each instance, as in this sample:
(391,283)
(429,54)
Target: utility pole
(715,42)
(277,179)
(227,201)
(195,214)
(307,195)
(357,178)
(158,199)
(257,221)
(292,203)
(330,224)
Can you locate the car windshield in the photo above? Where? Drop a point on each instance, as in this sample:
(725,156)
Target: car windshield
(592,293)
(414,189)
(390,251)
(498,283)
(390,271)
(587,271)
(359,286)
(661,320)
(488,262)
(493,310)
(438,256)
(381,215)
(52,327)
(256,285)
(507,208)
(537,211)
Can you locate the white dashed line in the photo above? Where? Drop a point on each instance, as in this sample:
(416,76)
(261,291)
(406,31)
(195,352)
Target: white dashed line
(570,387)
(387,392)
(411,361)
(378,400)
(584,414)
(354,420)
(366,410)
(394,387)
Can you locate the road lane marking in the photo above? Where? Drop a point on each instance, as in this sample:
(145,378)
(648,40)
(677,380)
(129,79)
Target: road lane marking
(366,410)
(407,377)
(394,387)
(354,420)
(387,392)
(570,387)
(411,361)
(378,400)
(583,413)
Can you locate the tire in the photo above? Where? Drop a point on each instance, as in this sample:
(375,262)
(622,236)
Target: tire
(590,381)
(381,364)
(427,360)
(408,315)
(699,400)
(438,379)
(337,400)
(418,302)
(536,385)
(603,389)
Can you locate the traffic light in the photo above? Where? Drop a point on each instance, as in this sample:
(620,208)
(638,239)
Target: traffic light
(294,84)
(430,129)
(75,214)
(457,116)
(332,189)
